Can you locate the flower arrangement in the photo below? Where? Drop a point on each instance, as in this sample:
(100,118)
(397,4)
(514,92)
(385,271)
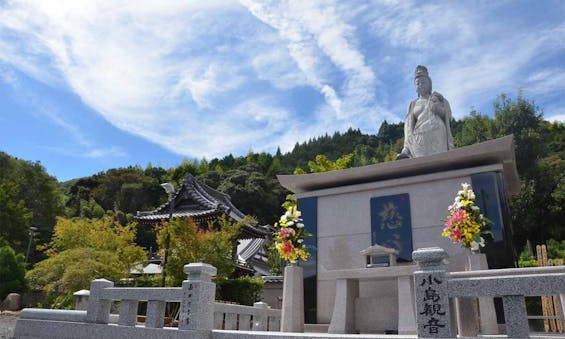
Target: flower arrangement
(465,224)
(289,233)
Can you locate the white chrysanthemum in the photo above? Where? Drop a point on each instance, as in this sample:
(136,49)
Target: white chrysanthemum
(300,225)
(300,241)
(474,208)
(290,223)
(465,186)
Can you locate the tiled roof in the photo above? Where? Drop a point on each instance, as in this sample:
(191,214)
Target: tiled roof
(202,203)
(273,278)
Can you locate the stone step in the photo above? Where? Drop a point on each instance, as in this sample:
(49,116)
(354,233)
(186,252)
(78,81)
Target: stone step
(316,328)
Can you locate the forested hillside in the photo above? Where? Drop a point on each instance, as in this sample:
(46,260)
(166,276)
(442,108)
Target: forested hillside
(28,197)
(31,198)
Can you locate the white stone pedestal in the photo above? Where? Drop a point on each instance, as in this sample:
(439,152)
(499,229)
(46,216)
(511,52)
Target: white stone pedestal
(293,300)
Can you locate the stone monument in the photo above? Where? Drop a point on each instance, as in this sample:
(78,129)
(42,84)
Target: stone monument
(426,128)
(400,205)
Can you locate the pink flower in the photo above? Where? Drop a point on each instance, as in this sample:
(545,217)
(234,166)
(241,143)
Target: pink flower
(458,217)
(286,247)
(455,234)
(285,232)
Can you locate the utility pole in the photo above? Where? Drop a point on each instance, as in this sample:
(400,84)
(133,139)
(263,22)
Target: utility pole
(170,189)
(31,234)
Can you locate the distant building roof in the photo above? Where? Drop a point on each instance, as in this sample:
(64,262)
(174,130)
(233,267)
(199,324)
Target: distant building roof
(149,269)
(201,203)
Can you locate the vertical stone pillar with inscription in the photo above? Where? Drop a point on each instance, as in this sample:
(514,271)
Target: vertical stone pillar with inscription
(430,287)
(197,305)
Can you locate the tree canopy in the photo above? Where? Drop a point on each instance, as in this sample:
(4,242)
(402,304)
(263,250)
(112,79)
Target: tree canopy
(82,250)
(188,244)
(29,197)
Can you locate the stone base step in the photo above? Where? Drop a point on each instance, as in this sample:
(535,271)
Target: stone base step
(316,328)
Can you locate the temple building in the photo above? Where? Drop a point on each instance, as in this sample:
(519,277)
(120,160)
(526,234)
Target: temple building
(204,204)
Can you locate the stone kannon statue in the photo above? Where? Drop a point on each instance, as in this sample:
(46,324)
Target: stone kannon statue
(426,129)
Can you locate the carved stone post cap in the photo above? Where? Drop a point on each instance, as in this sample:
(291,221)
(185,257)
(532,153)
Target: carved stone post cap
(261,304)
(200,270)
(429,256)
(101,283)
(82,292)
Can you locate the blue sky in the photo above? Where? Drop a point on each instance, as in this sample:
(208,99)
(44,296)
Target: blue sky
(90,85)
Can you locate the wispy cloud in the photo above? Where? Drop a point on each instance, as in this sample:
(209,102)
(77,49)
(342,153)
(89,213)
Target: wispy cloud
(207,78)
(82,145)
(321,42)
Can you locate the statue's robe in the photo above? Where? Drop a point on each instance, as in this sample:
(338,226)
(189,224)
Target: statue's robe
(429,133)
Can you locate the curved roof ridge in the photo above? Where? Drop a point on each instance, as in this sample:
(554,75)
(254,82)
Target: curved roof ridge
(164,205)
(225,199)
(252,248)
(194,188)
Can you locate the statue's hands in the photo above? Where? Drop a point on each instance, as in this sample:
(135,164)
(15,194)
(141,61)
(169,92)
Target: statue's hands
(437,104)
(437,97)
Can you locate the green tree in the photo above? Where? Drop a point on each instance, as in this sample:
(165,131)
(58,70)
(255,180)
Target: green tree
(189,244)
(82,250)
(12,272)
(475,128)
(252,192)
(536,212)
(14,217)
(29,182)
(522,118)
(323,164)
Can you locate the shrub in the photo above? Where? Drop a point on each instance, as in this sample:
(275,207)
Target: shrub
(243,290)
(12,272)
(148,281)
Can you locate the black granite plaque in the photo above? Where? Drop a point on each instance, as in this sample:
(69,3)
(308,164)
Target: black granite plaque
(391,225)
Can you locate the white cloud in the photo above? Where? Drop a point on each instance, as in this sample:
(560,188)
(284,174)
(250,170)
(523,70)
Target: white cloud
(316,34)
(213,77)
(276,67)
(105,152)
(557,118)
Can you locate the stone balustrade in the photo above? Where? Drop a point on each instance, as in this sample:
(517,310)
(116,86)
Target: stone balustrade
(198,313)
(201,317)
(434,287)
(246,318)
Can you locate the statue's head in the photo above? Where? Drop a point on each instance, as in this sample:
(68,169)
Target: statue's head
(422,80)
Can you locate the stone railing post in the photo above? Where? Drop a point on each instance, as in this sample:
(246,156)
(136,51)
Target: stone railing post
(292,319)
(98,310)
(81,299)
(431,294)
(468,322)
(197,304)
(260,321)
